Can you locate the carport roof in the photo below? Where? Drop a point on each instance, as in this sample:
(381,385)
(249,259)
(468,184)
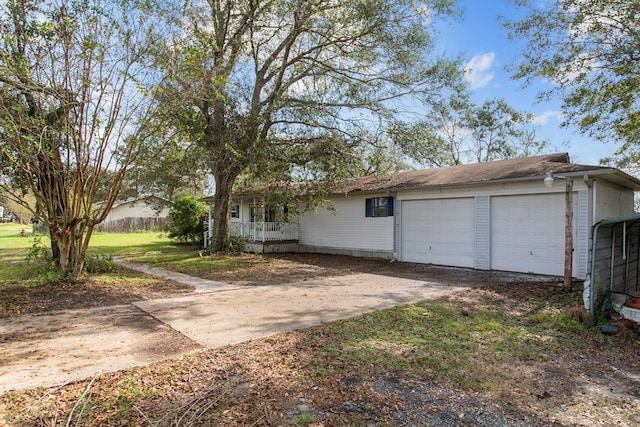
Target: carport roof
(510,170)
(622,218)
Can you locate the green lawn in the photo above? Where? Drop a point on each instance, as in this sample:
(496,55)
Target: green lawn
(135,244)
(14,247)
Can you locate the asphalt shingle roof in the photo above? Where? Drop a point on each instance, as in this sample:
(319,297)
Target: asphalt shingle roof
(519,169)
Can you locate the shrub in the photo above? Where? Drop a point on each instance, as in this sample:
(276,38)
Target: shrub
(186,219)
(99,264)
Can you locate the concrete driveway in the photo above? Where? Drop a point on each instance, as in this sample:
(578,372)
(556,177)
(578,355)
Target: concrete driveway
(54,348)
(229,317)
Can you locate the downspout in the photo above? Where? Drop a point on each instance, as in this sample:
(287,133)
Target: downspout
(241,218)
(588,293)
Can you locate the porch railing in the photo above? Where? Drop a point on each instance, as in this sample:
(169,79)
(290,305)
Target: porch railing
(265,231)
(262,231)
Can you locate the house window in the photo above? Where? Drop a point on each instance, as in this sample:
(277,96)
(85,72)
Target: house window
(379,206)
(235,211)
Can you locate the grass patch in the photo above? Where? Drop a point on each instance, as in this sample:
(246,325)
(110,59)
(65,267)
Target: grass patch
(14,249)
(14,246)
(134,244)
(31,284)
(192,263)
(434,338)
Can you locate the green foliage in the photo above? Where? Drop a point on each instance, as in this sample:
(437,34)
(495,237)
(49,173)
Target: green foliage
(238,244)
(71,105)
(588,49)
(167,168)
(456,131)
(186,219)
(99,264)
(41,260)
(297,112)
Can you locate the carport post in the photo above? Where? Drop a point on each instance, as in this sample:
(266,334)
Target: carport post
(568,228)
(568,235)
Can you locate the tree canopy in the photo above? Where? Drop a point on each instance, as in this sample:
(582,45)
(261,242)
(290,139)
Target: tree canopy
(589,50)
(270,83)
(72,105)
(455,131)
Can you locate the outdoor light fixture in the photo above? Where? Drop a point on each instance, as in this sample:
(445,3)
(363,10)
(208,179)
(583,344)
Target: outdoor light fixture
(548,180)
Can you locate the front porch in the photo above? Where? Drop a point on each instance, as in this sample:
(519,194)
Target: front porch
(263,237)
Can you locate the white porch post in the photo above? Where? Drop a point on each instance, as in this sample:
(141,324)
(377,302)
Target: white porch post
(262,214)
(209,227)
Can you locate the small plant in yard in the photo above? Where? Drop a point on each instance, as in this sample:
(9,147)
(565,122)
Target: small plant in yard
(305,420)
(99,264)
(238,244)
(41,261)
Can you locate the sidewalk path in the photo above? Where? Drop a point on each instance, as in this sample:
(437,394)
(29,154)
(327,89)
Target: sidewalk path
(200,285)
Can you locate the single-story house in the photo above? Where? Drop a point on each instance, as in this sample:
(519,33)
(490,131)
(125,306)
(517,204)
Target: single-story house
(136,214)
(143,207)
(510,215)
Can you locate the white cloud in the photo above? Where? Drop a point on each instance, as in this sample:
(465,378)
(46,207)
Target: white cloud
(544,118)
(477,72)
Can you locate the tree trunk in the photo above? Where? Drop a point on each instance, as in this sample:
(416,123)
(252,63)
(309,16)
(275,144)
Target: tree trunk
(221,239)
(55,250)
(72,247)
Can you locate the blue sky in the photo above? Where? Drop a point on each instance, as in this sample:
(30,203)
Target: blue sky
(482,43)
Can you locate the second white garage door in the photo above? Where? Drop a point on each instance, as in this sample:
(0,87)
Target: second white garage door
(527,233)
(438,231)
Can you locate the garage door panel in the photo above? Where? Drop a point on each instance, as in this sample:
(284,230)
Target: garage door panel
(438,232)
(527,233)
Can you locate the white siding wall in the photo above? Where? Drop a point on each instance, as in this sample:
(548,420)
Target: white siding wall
(345,226)
(611,201)
(135,209)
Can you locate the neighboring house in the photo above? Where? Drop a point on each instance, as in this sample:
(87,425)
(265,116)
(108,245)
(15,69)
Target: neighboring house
(489,216)
(141,214)
(144,207)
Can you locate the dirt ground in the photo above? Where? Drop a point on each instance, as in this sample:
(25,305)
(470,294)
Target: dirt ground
(607,371)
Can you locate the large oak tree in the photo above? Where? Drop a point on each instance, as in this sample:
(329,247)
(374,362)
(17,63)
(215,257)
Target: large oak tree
(254,82)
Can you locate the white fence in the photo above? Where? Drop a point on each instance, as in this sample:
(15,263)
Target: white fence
(122,225)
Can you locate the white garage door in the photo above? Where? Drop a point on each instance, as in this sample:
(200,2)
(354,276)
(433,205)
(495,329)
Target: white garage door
(438,231)
(527,233)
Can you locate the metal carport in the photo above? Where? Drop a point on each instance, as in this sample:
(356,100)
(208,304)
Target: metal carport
(614,260)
